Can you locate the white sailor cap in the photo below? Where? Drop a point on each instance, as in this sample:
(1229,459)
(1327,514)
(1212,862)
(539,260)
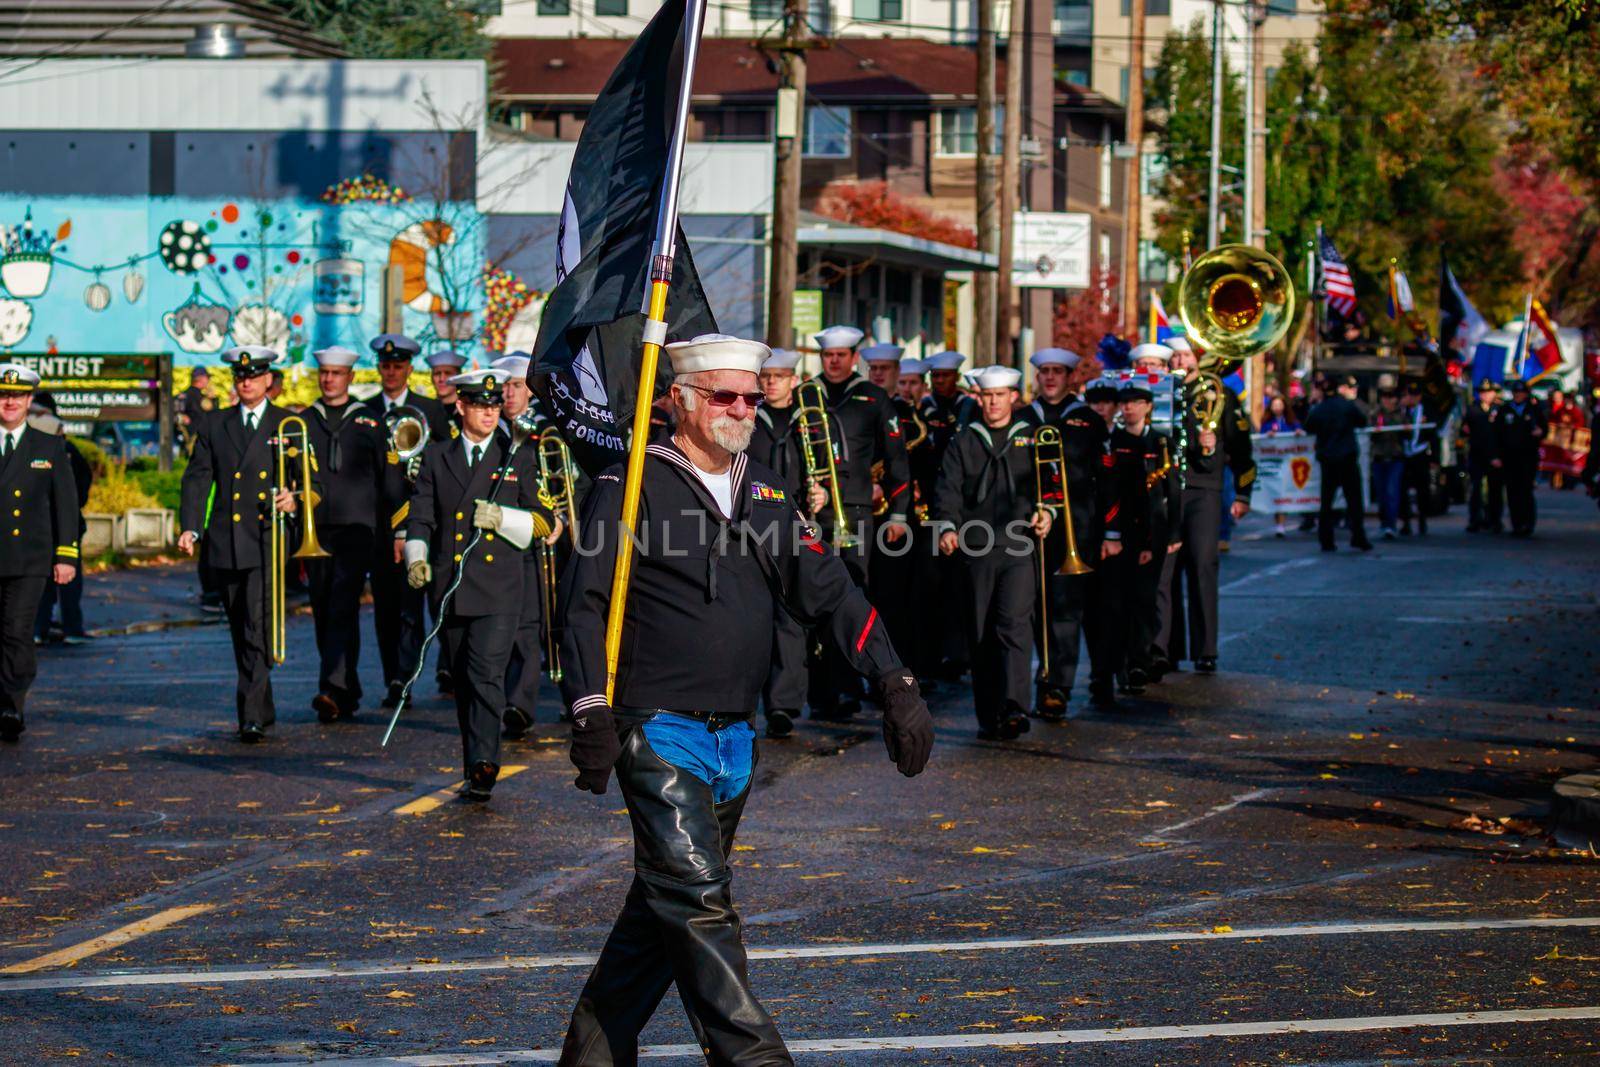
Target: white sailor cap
(512,365)
(1054,357)
(782,359)
(335,356)
(15,378)
(248,361)
(913,366)
(839,337)
(882,353)
(717,351)
(945,361)
(446,357)
(1150,351)
(996,377)
(1179,343)
(480,385)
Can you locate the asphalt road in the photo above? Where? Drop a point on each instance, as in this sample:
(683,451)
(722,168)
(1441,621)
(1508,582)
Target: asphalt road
(1299,860)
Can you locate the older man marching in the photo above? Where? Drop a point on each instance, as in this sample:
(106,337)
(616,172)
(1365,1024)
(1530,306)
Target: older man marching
(721,544)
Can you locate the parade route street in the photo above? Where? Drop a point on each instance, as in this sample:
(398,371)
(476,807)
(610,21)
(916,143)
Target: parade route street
(1333,851)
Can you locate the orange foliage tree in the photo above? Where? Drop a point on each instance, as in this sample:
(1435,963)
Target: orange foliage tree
(1086,315)
(874,204)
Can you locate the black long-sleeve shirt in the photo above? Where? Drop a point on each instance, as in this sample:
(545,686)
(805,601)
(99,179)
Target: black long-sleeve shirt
(988,477)
(866,430)
(1335,422)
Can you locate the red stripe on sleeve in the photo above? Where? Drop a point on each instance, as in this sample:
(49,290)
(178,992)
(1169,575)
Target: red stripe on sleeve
(861,638)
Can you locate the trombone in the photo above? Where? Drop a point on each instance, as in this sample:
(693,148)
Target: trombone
(916,434)
(1237,302)
(811,414)
(556,482)
(1048,450)
(291,443)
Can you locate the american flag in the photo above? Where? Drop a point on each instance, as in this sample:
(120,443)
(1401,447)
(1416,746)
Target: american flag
(1336,280)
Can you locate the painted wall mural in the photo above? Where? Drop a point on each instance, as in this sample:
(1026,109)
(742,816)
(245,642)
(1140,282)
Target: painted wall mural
(192,277)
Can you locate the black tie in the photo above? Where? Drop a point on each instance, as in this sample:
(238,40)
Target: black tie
(249,422)
(5,452)
(477,454)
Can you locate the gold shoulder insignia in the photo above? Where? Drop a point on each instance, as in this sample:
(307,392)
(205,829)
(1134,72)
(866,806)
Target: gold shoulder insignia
(455,431)
(400,516)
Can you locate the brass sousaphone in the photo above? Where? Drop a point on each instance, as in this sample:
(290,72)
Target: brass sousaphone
(1236,302)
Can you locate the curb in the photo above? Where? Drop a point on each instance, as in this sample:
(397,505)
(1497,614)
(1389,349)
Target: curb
(1576,810)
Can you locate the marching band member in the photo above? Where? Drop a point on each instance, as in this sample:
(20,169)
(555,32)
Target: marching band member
(945,411)
(522,667)
(227,512)
(866,431)
(912,383)
(444,365)
(718,532)
(456,494)
(41,498)
(352,479)
(985,508)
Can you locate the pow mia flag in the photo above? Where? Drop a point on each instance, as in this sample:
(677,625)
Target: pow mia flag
(586,361)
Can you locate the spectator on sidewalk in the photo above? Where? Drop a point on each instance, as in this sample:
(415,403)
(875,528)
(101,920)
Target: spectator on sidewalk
(1280,420)
(1418,476)
(1388,460)
(42,417)
(1335,421)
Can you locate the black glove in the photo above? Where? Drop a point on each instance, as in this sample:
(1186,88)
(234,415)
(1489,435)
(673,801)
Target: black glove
(595,748)
(907,726)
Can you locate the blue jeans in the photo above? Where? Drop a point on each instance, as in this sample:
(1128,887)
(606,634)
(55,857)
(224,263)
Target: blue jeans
(1387,479)
(723,759)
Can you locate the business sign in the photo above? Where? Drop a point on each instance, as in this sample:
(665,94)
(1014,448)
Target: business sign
(96,387)
(1051,250)
(807,313)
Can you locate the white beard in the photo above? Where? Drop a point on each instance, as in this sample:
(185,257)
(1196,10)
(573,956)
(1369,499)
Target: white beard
(731,433)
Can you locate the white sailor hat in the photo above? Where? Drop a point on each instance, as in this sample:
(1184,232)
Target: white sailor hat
(512,365)
(839,337)
(248,361)
(335,356)
(882,353)
(996,377)
(15,378)
(945,361)
(446,357)
(395,346)
(480,386)
(1054,357)
(1150,351)
(782,359)
(909,365)
(717,351)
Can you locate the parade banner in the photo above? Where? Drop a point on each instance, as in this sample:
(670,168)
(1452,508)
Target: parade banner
(1286,473)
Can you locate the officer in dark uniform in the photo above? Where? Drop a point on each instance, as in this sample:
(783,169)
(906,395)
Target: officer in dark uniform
(352,479)
(1149,507)
(893,569)
(776,444)
(193,405)
(946,411)
(1481,426)
(476,483)
(39,531)
(985,508)
(1191,576)
(721,545)
(1104,613)
(866,432)
(397,610)
(234,467)
(1083,446)
(522,667)
(1522,429)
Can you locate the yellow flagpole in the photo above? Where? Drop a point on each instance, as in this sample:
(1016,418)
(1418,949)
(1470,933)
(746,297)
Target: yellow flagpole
(1154,330)
(655,335)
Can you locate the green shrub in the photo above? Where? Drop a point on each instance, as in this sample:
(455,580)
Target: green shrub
(165,486)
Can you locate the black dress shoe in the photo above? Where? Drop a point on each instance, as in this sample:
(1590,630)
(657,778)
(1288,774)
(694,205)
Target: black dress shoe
(1206,665)
(480,782)
(326,707)
(1138,678)
(1052,705)
(1161,667)
(1362,545)
(517,724)
(1103,697)
(447,685)
(1014,726)
(252,733)
(391,699)
(11,727)
(780,723)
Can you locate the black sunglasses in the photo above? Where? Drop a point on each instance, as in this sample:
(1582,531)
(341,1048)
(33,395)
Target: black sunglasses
(724,398)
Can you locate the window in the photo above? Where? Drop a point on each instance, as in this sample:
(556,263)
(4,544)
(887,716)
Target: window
(1282,7)
(1154,165)
(827,132)
(765,10)
(617,8)
(1122,82)
(876,10)
(958,131)
(1152,8)
(554,7)
(1152,262)
(1074,18)
(1078,77)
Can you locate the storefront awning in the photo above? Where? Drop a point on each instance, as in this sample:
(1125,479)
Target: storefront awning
(820,234)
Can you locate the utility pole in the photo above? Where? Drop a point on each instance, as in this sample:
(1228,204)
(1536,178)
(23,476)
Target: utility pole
(1213,209)
(1008,318)
(1255,173)
(789,131)
(984,283)
(1133,184)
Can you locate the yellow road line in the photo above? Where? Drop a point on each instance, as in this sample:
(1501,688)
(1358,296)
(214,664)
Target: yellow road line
(423,805)
(120,936)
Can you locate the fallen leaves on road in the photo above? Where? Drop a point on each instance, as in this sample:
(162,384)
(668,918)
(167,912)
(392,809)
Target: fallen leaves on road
(1359,992)
(975,994)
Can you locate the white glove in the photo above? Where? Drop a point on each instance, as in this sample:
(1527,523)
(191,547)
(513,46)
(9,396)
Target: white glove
(418,571)
(514,524)
(487,516)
